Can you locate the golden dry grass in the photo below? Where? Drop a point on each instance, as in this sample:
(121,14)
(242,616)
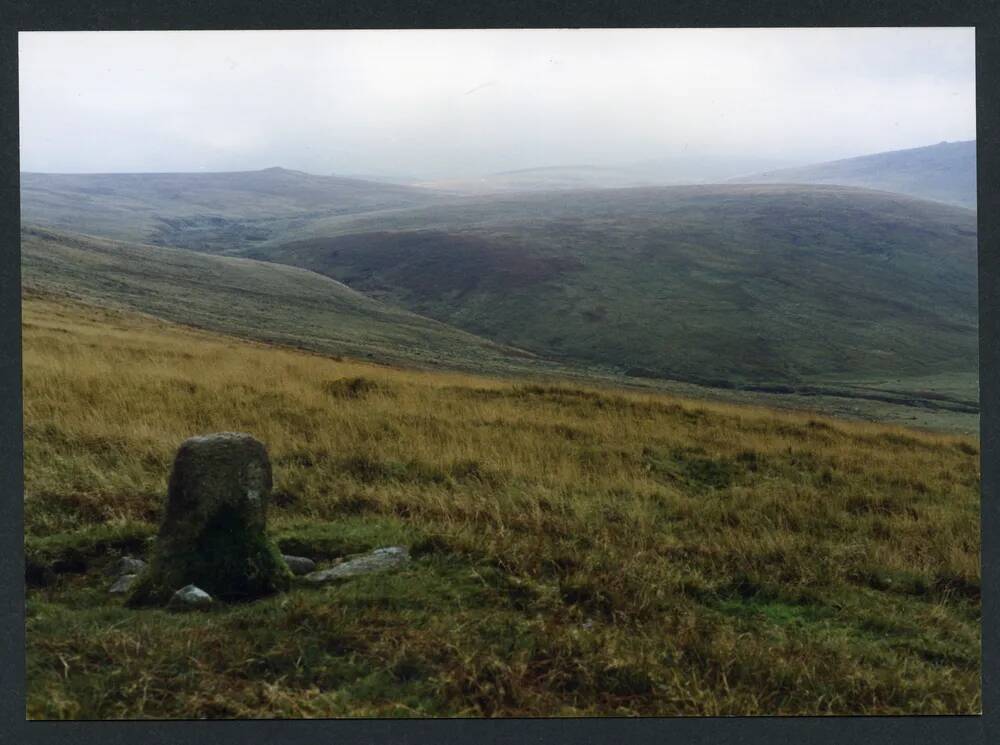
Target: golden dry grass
(640,554)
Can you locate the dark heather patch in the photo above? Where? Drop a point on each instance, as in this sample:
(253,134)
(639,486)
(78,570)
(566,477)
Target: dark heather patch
(430,262)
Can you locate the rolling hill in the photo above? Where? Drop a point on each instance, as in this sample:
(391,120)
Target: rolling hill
(282,305)
(775,289)
(945,172)
(212,212)
(251,299)
(727,285)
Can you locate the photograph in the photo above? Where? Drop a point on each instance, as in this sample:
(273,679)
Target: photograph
(500,373)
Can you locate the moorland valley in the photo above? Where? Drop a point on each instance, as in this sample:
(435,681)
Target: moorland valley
(656,447)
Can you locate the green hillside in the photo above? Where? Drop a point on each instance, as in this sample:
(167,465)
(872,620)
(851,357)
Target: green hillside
(203,211)
(247,298)
(945,172)
(729,285)
(288,306)
(763,288)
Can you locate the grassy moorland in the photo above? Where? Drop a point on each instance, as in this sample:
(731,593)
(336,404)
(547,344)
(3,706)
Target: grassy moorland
(577,551)
(738,285)
(293,307)
(820,290)
(247,298)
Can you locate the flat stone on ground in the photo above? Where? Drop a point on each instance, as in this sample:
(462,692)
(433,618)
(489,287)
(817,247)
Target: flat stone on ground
(126,565)
(299,564)
(379,560)
(123,584)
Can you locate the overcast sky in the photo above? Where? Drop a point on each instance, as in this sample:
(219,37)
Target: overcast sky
(436,104)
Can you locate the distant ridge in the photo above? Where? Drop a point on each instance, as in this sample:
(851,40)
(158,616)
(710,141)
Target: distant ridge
(945,172)
(203,211)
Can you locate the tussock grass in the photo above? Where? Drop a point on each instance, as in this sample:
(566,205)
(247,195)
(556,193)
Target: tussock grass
(578,551)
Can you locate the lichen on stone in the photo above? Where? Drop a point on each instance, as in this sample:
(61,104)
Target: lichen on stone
(213,533)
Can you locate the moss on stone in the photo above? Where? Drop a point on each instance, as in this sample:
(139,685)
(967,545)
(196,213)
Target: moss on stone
(213,534)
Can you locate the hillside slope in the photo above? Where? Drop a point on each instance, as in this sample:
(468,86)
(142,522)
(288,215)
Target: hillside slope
(577,552)
(945,172)
(278,304)
(205,211)
(730,284)
(248,298)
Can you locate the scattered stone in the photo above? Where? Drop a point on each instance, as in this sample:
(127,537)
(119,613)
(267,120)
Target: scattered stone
(299,564)
(213,530)
(126,565)
(190,597)
(123,584)
(379,560)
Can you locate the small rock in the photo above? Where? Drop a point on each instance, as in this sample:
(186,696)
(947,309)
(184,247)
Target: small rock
(379,560)
(123,584)
(126,565)
(190,597)
(299,564)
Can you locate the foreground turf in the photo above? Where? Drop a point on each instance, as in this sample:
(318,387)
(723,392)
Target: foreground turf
(576,551)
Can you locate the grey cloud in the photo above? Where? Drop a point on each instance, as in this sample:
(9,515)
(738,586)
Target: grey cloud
(441,104)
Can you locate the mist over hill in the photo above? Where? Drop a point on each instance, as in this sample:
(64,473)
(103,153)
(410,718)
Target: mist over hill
(660,171)
(945,172)
(203,211)
(772,287)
